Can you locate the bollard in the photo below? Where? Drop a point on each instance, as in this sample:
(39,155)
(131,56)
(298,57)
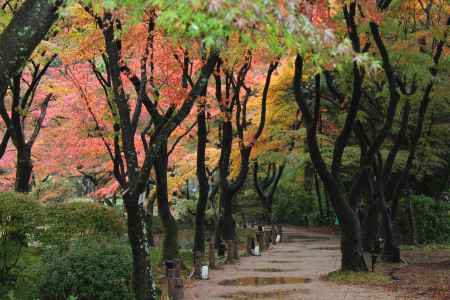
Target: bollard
(205,272)
(211,255)
(236,249)
(280,233)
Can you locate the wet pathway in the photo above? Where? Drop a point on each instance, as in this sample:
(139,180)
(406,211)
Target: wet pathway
(289,270)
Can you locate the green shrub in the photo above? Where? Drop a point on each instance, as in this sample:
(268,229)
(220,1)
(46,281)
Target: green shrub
(292,204)
(432,219)
(21,220)
(54,190)
(91,269)
(81,219)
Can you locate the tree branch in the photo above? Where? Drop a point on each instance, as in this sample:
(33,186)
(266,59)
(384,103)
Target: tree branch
(40,120)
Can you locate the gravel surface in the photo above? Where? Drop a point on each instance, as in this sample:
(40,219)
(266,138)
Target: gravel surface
(310,256)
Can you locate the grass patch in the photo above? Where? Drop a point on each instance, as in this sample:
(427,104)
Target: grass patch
(426,248)
(346,277)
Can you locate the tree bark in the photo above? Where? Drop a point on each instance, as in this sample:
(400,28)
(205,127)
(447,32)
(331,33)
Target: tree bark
(25,31)
(351,246)
(412,221)
(24,169)
(4,143)
(142,280)
(227,221)
(267,187)
(351,235)
(170,242)
(318,194)
(202,132)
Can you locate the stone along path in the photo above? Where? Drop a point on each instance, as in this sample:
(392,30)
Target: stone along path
(289,270)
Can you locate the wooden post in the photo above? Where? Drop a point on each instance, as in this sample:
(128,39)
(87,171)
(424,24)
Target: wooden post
(174,281)
(249,245)
(230,251)
(211,255)
(197,264)
(274,234)
(260,239)
(268,237)
(236,249)
(175,287)
(221,249)
(177,267)
(170,266)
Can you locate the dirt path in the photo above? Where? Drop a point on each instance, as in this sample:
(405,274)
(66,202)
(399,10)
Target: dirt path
(308,257)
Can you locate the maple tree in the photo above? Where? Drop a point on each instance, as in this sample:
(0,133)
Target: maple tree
(346,204)
(357,81)
(28,26)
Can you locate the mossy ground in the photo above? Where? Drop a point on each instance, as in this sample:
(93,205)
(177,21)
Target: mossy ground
(371,278)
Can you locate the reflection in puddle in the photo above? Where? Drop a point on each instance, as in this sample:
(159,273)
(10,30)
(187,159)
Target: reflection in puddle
(259,281)
(327,248)
(263,295)
(311,241)
(304,237)
(288,251)
(273,270)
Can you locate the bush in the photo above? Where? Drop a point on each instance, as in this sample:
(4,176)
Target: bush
(91,269)
(21,220)
(432,219)
(54,191)
(291,204)
(81,219)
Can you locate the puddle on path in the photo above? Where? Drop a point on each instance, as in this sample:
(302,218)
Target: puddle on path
(282,262)
(286,251)
(288,237)
(263,295)
(261,281)
(327,248)
(273,270)
(312,241)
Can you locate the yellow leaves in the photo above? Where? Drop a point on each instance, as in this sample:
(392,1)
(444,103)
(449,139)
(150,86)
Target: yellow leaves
(80,39)
(81,44)
(438,32)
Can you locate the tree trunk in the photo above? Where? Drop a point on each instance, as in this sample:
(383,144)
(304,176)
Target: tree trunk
(170,241)
(227,223)
(371,228)
(24,169)
(148,221)
(351,247)
(319,196)
(390,247)
(199,239)
(142,276)
(24,32)
(327,204)
(412,221)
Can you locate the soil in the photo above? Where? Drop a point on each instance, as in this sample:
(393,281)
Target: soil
(306,265)
(423,273)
